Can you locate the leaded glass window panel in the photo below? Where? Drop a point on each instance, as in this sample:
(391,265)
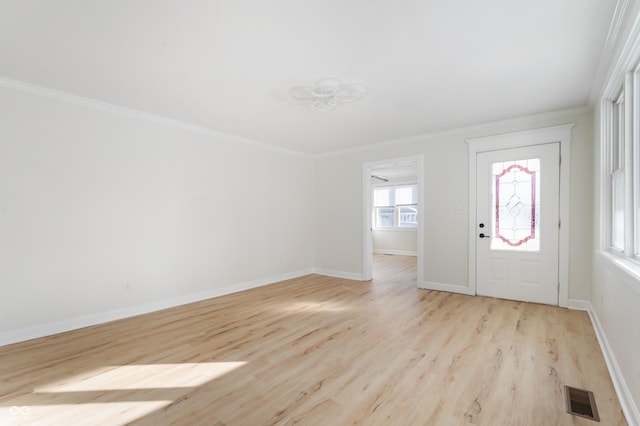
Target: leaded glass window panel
(516,205)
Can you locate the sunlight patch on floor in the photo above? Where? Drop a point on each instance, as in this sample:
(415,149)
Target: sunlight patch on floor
(72,413)
(315,307)
(133,391)
(148,376)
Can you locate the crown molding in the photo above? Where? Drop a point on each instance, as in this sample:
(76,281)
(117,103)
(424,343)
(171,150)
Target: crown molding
(608,50)
(140,115)
(32,89)
(521,120)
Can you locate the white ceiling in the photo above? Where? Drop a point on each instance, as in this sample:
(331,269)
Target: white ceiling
(228,64)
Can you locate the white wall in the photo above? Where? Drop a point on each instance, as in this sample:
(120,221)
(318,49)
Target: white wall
(616,303)
(91,200)
(395,241)
(616,292)
(339,178)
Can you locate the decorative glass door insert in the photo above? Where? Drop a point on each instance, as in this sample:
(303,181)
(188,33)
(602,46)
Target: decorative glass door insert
(516,205)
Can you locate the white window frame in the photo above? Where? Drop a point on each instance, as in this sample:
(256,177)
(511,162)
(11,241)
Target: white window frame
(617,168)
(395,206)
(633,127)
(626,167)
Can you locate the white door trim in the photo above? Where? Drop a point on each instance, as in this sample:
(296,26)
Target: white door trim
(367,207)
(561,134)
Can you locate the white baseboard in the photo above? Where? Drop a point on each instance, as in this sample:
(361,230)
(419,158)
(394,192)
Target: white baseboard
(396,252)
(580,305)
(339,274)
(42,330)
(429,285)
(629,408)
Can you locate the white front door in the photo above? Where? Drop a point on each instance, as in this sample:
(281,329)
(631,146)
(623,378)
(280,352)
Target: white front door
(517,223)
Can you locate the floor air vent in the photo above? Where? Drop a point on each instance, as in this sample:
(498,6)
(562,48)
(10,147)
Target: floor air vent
(581,403)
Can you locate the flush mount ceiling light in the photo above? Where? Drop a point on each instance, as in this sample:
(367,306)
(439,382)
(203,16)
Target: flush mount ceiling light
(326,94)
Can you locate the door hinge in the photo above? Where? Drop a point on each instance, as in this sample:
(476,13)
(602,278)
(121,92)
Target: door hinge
(559,159)
(559,224)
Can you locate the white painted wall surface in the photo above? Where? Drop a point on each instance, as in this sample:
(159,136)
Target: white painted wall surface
(616,301)
(339,222)
(395,241)
(616,291)
(91,200)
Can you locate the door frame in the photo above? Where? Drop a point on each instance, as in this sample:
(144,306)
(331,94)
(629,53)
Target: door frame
(561,134)
(367,209)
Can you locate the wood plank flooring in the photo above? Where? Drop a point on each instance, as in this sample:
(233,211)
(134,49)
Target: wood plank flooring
(316,351)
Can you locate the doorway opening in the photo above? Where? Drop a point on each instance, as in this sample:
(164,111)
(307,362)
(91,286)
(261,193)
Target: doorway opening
(393,210)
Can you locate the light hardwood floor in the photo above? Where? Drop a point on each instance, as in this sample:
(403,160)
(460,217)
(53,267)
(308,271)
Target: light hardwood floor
(316,351)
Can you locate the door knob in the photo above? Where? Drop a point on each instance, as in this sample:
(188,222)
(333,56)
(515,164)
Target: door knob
(484,236)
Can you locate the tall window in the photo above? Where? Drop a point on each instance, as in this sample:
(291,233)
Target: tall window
(621,129)
(617,173)
(395,206)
